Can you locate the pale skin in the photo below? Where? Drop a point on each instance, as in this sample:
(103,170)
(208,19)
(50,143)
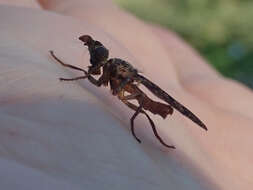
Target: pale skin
(49,126)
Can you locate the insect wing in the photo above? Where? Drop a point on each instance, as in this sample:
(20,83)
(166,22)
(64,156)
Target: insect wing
(157,91)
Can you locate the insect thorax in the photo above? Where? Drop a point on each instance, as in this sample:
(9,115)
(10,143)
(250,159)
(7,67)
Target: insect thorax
(121,68)
(98,53)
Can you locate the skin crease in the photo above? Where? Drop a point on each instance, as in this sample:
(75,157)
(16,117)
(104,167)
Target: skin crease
(223,155)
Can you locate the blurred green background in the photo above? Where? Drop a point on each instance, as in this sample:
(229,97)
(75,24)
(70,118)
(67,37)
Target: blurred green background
(221,30)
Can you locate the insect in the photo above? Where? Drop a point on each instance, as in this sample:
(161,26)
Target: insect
(123,77)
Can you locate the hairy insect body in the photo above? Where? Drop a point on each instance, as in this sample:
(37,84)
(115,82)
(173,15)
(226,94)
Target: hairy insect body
(122,68)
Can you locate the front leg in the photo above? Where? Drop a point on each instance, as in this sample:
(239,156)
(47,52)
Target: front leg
(71,79)
(104,79)
(66,65)
(94,81)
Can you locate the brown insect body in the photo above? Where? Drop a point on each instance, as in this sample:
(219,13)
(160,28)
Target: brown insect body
(122,77)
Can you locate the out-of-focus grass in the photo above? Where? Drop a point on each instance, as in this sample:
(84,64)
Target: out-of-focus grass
(219,29)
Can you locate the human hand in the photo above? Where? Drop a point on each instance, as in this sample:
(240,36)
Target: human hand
(57,117)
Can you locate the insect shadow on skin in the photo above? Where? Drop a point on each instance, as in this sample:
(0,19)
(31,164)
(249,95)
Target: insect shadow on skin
(123,77)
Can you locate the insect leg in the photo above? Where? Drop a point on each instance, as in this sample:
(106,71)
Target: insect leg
(152,125)
(64,64)
(132,122)
(132,106)
(124,99)
(71,79)
(159,138)
(121,85)
(98,82)
(94,81)
(138,110)
(103,79)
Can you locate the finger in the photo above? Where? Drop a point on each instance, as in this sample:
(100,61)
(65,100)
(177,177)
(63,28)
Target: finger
(186,60)
(22,3)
